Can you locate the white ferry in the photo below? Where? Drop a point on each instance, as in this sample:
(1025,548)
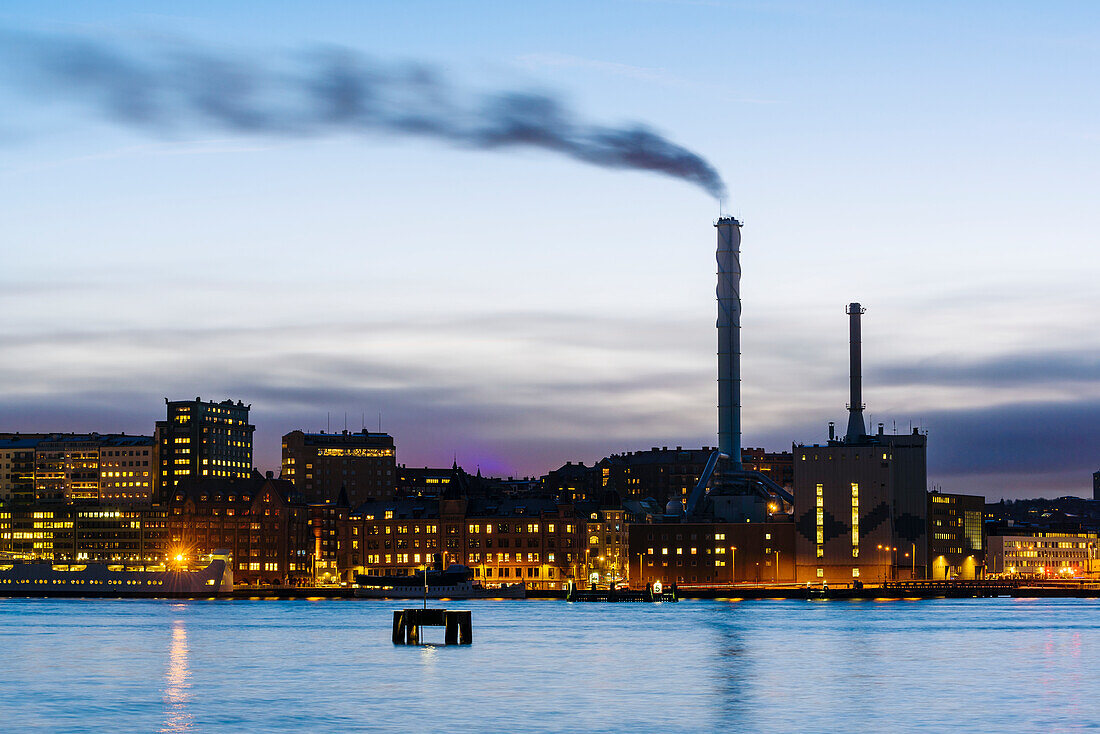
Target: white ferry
(454,583)
(43,578)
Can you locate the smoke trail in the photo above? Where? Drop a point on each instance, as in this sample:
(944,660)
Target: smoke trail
(172,88)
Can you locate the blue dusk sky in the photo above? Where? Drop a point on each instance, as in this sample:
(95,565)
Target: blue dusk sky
(178,220)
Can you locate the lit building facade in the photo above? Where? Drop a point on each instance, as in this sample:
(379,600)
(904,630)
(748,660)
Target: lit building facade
(126,470)
(103,534)
(956,542)
(17,468)
(504,541)
(321,465)
(202,439)
(861,509)
(711,553)
(263,521)
(607,550)
(1044,554)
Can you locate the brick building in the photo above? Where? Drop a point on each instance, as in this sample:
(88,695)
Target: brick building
(263,521)
(504,541)
(711,553)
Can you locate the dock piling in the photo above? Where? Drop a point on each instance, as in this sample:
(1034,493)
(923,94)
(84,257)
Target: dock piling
(457,625)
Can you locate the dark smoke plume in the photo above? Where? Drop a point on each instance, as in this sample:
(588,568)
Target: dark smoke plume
(173,87)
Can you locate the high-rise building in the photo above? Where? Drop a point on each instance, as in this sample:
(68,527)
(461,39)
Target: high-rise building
(202,439)
(321,465)
(1096,486)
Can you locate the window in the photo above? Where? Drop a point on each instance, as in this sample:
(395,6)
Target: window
(821,573)
(855,573)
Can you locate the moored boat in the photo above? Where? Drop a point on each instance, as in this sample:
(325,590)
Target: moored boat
(43,578)
(456,582)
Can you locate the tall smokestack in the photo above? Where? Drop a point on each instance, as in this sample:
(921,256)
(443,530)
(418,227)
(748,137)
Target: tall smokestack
(729,339)
(856,428)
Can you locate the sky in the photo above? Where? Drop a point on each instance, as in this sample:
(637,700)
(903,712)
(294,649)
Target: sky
(517,306)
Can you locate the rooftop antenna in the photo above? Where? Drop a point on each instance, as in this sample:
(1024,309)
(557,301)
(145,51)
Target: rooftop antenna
(379,421)
(345,421)
(328,421)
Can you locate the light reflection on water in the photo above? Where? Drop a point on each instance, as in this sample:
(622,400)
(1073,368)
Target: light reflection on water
(786,666)
(177,683)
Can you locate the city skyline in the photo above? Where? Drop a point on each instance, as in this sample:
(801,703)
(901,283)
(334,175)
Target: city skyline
(516,309)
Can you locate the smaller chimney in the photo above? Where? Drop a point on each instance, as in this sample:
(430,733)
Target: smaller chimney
(856,428)
(832,431)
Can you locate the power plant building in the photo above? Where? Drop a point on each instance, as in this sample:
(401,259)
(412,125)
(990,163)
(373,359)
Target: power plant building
(860,500)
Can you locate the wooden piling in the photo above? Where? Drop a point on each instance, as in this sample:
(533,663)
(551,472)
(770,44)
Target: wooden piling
(457,625)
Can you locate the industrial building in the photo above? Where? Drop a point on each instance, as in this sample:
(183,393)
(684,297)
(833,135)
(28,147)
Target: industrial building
(860,500)
(956,542)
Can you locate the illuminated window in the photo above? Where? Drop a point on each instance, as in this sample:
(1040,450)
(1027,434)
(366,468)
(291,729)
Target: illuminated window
(855,573)
(821,573)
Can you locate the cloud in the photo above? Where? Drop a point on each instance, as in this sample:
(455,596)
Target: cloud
(1005,370)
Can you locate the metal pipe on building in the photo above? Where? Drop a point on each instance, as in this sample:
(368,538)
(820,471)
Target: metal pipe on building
(856,428)
(729,339)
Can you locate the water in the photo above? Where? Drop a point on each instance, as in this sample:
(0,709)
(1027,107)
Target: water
(780,666)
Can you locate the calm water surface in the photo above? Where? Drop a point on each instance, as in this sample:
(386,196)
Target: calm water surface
(943,665)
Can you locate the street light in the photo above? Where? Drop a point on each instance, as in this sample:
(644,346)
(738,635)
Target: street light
(733,564)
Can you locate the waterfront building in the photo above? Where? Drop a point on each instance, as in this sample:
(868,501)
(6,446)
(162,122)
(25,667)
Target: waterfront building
(364,465)
(202,440)
(711,553)
(503,540)
(861,509)
(93,534)
(860,500)
(608,536)
(17,468)
(1040,553)
(956,542)
(336,539)
(264,522)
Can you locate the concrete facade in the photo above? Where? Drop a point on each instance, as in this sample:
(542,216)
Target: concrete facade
(856,503)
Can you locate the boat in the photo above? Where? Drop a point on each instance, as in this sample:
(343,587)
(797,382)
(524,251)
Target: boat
(455,582)
(651,593)
(45,578)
